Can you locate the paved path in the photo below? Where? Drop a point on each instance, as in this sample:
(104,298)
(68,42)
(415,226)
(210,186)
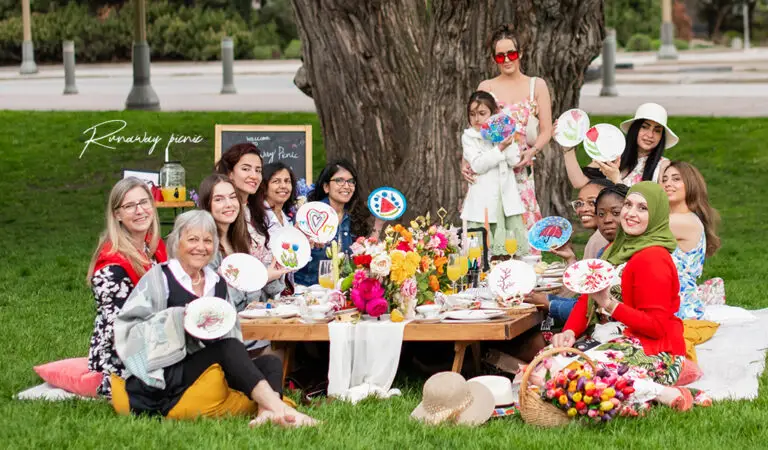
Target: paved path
(681,86)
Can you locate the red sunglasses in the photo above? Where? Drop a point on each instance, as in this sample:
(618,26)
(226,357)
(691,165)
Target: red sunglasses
(512,55)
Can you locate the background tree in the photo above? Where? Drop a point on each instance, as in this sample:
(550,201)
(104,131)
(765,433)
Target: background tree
(390,80)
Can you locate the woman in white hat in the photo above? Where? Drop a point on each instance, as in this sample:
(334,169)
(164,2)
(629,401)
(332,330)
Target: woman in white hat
(648,135)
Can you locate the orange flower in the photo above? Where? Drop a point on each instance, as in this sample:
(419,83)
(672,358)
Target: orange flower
(433,283)
(440,261)
(424,263)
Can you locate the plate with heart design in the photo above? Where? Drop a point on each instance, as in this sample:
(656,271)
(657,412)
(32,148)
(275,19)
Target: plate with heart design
(318,221)
(387,203)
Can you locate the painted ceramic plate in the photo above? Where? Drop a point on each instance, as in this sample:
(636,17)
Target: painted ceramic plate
(588,276)
(318,221)
(498,127)
(512,279)
(474,314)
(243,272)
(550,233)
(291,248)
(604,142)
(280,312)
(387,203)
(209,318)
(571,128)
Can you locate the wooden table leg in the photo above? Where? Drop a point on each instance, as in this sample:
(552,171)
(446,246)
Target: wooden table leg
(476,356)
(460,347)
(288,349)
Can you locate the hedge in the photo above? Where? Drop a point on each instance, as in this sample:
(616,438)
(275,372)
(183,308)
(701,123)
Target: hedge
(174,33)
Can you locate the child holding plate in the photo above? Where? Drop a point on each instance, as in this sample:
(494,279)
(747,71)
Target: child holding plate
(494,195)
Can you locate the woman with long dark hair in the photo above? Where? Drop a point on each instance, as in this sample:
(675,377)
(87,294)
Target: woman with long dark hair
(337,186)
(647,137)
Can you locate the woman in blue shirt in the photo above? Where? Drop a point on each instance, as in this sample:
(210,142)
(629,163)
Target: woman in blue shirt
(337,186)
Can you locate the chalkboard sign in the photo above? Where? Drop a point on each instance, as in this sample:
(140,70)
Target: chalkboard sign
(289,144)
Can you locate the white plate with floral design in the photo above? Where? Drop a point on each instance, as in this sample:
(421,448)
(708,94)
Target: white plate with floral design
(209,318)
(280,312)
(571,128)
(588,276)
(243,272)
(604,142)
(512,279)
(474,314)
(291,248)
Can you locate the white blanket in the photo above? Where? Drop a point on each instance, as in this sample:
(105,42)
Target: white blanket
(363,359)
(734,359)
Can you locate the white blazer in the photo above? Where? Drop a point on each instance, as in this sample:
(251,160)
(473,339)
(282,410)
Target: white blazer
(494,177)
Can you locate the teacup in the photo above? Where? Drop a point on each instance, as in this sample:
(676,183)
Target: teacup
(428,311)
(319,312)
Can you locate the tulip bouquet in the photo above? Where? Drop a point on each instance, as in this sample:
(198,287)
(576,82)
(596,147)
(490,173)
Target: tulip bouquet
(406,269)
(579,393)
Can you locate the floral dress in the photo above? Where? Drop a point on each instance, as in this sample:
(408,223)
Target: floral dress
(636,175)
(257,247)
(689,267)
(111,286)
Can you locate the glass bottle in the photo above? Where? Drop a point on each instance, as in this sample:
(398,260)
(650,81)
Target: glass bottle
(173,182)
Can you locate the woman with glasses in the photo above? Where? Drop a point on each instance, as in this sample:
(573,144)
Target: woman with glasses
(526,98)
(129,246)
(337,186)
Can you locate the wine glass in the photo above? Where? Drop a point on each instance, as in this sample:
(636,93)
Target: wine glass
(475,248)
(510,243)
(454,270)
(325,274)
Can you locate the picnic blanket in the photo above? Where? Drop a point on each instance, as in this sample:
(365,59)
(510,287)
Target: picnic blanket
(363,358)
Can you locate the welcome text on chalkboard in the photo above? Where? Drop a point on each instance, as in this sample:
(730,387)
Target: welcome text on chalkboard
(290,144)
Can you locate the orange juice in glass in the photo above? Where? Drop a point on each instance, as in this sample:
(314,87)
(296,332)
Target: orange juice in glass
(174,193)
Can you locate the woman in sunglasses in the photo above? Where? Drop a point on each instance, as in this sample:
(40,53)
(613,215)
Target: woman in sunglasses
(337,186)
(527,97)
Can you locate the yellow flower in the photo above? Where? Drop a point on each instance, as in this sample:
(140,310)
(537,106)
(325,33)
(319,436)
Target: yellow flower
(404,265)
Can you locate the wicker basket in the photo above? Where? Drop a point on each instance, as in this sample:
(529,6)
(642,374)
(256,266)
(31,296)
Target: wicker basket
(533,409)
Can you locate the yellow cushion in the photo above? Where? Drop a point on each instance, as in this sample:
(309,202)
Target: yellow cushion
(209,396)
(697,332)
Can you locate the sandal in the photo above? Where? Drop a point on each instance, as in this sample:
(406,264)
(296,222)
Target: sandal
(684,402)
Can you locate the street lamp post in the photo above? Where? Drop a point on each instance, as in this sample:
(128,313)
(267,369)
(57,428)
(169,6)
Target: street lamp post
(667,50)
(142,96)
(28,65)
(745,10)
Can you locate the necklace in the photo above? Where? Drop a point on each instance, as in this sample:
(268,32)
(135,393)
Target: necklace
(199,279)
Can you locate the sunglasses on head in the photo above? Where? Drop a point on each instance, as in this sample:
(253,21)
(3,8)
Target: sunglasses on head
(512,55)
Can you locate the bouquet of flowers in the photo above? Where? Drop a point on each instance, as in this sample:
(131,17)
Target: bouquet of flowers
(579,393)
(404,270)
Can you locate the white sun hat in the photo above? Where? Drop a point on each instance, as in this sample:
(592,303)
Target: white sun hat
(657,113)
(448,397)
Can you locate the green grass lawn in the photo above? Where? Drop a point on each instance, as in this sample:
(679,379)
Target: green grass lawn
(51,211)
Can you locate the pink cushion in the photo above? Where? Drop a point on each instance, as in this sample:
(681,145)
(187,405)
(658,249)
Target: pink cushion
(690,373)
(71,375)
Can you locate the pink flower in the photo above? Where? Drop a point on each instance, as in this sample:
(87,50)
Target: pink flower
(366,291)
(376,307)
(337,299)
(359,277)
(442,242)
(404,246)
(409,288)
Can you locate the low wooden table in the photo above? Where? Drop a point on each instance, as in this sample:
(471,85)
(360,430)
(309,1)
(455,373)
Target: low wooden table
(462,334)
(175,206)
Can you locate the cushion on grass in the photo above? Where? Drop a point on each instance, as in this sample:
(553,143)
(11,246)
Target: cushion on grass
(209,396)
(697,332)
(72,375)
(691,372)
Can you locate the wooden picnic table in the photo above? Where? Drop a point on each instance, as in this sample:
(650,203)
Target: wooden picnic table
(462,334)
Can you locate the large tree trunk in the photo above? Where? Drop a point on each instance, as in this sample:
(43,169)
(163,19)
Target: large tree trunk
(390,79)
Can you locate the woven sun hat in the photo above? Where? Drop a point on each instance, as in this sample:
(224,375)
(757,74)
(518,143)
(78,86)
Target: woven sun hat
(503,396)
(448,397)
(657,113)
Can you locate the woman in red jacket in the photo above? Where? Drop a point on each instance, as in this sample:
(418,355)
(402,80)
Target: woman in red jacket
(652,345)
(127,249)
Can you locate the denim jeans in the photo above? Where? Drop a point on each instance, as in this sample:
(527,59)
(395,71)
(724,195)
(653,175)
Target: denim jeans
(560,307)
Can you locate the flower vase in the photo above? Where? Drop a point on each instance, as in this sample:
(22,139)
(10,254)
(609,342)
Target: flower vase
(409,309)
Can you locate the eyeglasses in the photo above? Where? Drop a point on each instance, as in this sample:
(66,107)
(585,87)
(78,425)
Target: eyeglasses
(576,204)
(342,181)
(512,55)
(130,208)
